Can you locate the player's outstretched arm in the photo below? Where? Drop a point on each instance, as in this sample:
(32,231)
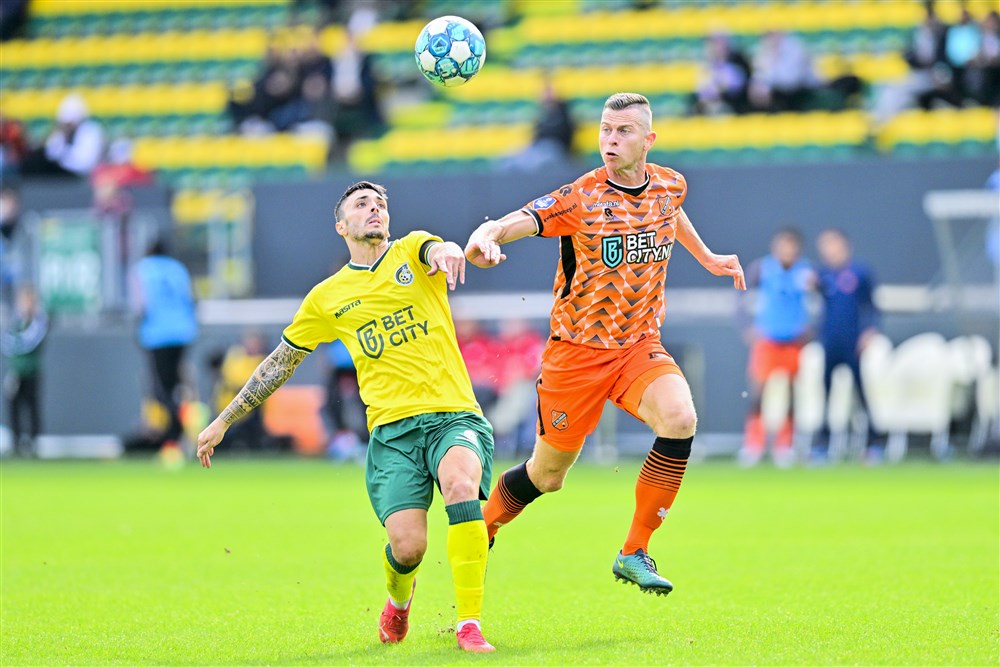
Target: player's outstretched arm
(483,248)
(717,265)
(276,368)
(447,258)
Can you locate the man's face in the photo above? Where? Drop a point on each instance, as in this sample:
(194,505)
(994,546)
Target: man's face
(625,137)
(833,249)
(365,217)
(786,249)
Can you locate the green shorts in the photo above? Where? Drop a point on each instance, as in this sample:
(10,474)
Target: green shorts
(403,458)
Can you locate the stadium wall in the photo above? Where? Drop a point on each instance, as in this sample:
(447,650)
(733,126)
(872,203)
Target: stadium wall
(95,377)
(877,202)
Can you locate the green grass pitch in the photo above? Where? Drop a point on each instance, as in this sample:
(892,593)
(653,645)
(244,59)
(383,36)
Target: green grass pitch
(277,562)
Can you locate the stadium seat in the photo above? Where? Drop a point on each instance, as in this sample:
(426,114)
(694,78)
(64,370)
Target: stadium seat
(161,69)
(917,394)
(987,408)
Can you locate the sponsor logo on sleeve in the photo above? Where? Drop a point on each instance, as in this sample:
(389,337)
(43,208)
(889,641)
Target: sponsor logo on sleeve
(543,203)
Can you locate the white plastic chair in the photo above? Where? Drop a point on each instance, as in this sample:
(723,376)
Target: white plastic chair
(987,408)
(917,396)
(810,397)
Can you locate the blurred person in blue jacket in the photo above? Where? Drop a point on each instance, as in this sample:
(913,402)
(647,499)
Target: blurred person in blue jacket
(780,327)
(163,299)
(850,320)
(21,344)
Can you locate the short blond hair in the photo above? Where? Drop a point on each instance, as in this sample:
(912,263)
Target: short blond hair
(622,101)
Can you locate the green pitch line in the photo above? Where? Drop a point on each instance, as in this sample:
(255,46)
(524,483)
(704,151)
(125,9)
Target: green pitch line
(277,562)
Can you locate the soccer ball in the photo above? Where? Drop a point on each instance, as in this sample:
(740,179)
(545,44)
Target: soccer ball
(450,50)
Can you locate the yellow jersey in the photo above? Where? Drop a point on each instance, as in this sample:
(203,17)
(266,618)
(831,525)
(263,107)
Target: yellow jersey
(396,322)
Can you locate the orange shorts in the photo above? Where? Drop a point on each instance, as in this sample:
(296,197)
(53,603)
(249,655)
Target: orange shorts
(576,381)
(768,356)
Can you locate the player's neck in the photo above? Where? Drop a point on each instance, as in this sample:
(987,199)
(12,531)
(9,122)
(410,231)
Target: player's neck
(631,177)
(364,254)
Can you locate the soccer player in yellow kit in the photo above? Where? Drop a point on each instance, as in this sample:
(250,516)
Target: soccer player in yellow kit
(389,306)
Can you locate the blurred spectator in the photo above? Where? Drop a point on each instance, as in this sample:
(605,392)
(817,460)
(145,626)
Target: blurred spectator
(252,109)
(345,412)
(21,343)
(929,78)
(481,353)
(316,113)
(13,18)
(112,177)
(725,76)
(73,148)
(364,16)
(552,139)
(293,92)
(850,319)
(111,181)
(13,147)
(233,367)
(310,108)
(780,327)
(355,96)
(519,346)
(962,43)
(844,90)
(783,77)
(12,246)
(163,299)
(983,73)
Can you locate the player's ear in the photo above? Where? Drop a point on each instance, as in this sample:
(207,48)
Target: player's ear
(650,138)
(341,227)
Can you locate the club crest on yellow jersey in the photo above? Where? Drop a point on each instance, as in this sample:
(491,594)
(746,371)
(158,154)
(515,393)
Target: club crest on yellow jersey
(404,276)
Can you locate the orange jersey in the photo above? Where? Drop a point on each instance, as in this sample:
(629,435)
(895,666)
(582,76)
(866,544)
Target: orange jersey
(616,243)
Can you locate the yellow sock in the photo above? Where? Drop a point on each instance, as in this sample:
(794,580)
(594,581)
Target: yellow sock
(398,578)
(467,550)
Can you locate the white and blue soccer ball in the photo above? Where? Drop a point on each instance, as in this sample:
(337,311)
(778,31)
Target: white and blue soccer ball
(450,50)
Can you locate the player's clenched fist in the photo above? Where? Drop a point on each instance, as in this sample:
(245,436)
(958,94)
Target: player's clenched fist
(483,250)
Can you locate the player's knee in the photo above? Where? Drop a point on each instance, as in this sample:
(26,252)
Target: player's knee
(678,420)
(549,481)
(459,489)
(409,549)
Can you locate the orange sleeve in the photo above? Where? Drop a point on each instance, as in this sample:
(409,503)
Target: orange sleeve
(557,213)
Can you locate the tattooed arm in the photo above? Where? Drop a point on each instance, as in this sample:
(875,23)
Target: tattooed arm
(271,374)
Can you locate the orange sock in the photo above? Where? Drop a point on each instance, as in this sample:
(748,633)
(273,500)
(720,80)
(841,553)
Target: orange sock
(754,434)
(657,486)
(783,440)
(513,492)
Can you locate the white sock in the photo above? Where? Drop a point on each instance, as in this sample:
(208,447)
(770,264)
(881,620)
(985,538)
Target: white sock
(462,624)
(402,607)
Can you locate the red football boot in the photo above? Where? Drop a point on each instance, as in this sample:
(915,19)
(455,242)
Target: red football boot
(470,638)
